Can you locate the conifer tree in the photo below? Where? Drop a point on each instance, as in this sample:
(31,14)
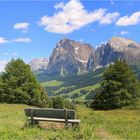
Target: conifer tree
(120,88)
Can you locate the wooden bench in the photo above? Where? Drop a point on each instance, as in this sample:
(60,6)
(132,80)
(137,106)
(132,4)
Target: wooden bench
(53,115)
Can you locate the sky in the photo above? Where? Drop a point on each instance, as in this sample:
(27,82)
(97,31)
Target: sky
(31,29)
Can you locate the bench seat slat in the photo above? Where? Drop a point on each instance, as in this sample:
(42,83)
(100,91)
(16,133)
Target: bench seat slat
(56,120)
(74,120)
(49,119)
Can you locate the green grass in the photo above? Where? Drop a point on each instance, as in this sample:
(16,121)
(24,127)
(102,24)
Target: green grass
(82,96)
(70,85)
(89,88)
(52,83)
(116,125)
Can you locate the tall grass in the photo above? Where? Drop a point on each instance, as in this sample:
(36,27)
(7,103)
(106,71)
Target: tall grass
(117,124)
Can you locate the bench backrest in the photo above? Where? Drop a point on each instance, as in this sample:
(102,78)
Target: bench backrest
(49,113)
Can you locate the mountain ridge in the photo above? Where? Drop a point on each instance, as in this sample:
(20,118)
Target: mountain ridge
(73,57)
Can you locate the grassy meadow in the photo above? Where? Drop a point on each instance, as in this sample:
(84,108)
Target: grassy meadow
(116,125)
(76,87)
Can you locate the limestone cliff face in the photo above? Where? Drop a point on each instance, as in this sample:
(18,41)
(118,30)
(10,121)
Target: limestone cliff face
(115,48)
(69,57)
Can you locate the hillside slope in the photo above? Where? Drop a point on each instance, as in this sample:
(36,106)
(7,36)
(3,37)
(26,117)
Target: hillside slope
(78,87)
(75,86)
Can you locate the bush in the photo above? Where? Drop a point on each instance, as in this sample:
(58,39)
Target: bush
(75,95)
(91,95)
(60,103)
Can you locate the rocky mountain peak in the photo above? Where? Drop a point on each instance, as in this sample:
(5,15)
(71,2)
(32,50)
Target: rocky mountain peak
(120,44)
(115,48)
(76,49)
(38,64)
(70,55)
(62,42)
(124,41)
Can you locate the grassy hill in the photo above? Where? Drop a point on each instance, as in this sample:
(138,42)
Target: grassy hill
(77,87)
(100,125)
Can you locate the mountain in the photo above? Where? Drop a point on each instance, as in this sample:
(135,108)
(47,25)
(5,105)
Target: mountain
(115,48)
(93,62)
(69,57)
(39,64)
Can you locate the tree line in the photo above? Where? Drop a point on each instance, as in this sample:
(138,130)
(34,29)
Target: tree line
(119,89)
(19,85)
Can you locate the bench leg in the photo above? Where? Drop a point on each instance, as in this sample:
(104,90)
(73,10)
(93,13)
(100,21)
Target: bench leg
(34,122)
(30,122)
(75,125)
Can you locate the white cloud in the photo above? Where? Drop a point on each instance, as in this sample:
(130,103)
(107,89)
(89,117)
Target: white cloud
(109,18)
(19,39)
(59,5)
(124,32)
(22,39)
(3,63)
(22,26)
(73,16)
(129,20)
(3,40)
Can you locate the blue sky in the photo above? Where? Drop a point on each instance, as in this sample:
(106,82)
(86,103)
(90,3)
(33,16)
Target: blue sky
(31,29)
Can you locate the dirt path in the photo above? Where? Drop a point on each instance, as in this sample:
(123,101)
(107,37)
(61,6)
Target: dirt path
(104,135)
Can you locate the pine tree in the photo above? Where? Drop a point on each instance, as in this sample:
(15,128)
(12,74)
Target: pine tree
(120,88)
(19,85)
